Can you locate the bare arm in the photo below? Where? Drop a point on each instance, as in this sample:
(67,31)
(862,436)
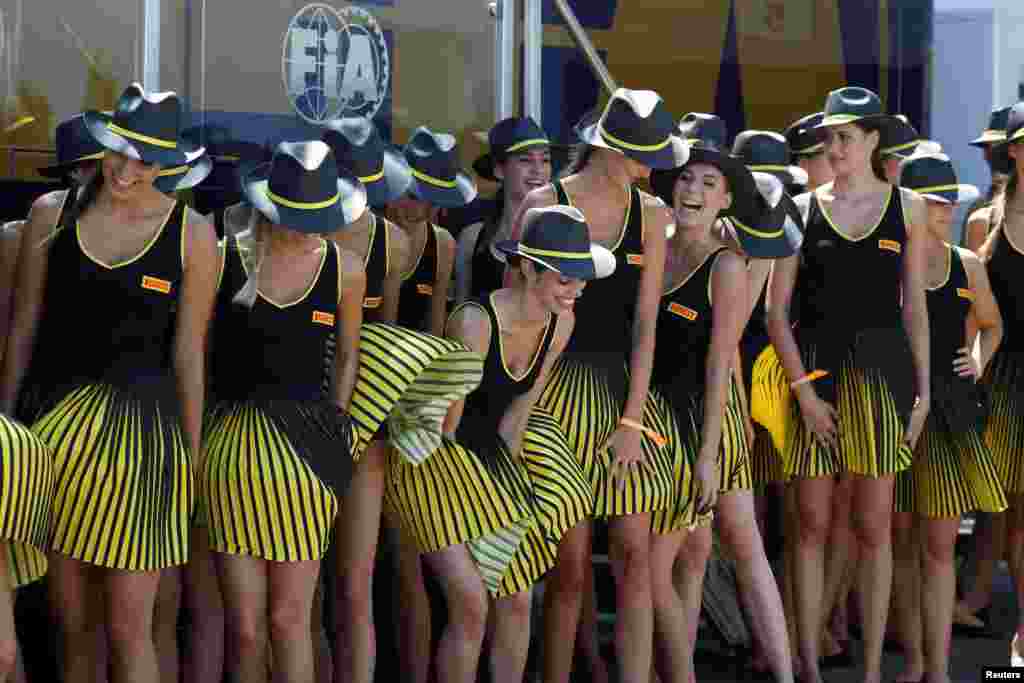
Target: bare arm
(915,310)
(984,322)
(195,310)
(10,245)
(976,229)
(349,320)
(439,298)
(30,283)
(398,264)
(470,325)
(464,261)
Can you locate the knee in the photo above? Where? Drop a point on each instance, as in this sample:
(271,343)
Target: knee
(250,633)
(872,534)
(289,620)
(8,656)
(813,528)
(631,557)
(939,551)
(356,583)
(467,611)
(516,607)
(129,626)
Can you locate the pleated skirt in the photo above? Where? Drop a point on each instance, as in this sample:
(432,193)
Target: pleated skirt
(581,397)
(1004,429)
(123,490)
(870,430)
(407,381)
(264,495)
(770,397)
(26,495)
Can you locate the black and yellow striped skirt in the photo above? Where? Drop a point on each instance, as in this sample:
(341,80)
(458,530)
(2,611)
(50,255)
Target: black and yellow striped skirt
(122,479)
(26,494)
(562,498)
(770,397)
(453,498)
(870,429)
(581,397)
(408,380)
(268,486)
(1004,429)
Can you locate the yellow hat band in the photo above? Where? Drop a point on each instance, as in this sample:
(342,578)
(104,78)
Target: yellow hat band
(372,178)
(767,167)
(306,206)
(132,135)
(756,233)
(554,254)
(936,188)
(527,143)
(431,180)
(174,170)
(631,146)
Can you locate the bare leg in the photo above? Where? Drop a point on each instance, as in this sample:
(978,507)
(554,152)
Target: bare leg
(78,604)
(245,587)
(987,546)
(691,564)
(939,588)
(414,622)
(814,508)
(587,635)
(629,540)
(458,654)
(1015,549)
(165,623)
(204,656)
(841,541)
(906,583)
(358,530)
(322,664)
(130,599)
(511,639)
(872,513)
(758,590)
(674,658)
(791,524)
(8,636)
(563,592)
(291,586)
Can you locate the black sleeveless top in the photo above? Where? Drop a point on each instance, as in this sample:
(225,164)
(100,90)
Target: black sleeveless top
(377,263)
(418,287)
(487,272)
(273,351)
(1006,273)
(486,406)
(131,310)
(604,314)
(948,306)
(684,333)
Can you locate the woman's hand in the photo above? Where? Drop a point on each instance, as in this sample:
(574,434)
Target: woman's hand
(705,479)
(966,365)
(915,425)
(820,418)
(627,452)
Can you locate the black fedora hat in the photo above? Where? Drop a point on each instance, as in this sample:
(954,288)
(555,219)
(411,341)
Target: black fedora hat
(358,146)
(144,126)
(175,178)
(851,104)
(637,124)
(995,131)
(302,189)
(804,136)
(768,152)
(899,139)
(932,176)
(75,145)
(1014,124)
(437,179)
(509,136)
(705,134)
(770,226)
(558,238)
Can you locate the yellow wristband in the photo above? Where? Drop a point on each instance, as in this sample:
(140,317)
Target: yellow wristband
(808,378)
(657,438)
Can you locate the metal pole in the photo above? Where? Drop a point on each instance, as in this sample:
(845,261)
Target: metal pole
(533,34)
(579,36)
(151,45)
(504,12)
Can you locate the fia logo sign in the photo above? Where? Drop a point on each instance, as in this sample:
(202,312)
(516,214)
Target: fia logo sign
(335,63)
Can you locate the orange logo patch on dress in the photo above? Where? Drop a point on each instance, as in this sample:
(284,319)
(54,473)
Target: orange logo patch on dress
(682,311)
(372,301)
(965,293)
(635,259)
(155,284)
(425,289)
(323,318)
(890,245)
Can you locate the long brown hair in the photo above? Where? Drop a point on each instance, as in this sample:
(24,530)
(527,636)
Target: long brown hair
(877,163)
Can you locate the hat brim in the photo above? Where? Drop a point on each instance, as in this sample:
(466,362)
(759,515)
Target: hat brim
(395,182)
(674,153)
(788,175)
(350,206)
(62,170)
(834,120)
(484,165)
(989,137)
(957,194)
(741,182)
(770,227)
(461,192)
(96,123)
(196,173)
(600,265)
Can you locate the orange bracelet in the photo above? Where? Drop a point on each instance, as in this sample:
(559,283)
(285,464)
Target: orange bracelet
(657,438)
(809,377)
